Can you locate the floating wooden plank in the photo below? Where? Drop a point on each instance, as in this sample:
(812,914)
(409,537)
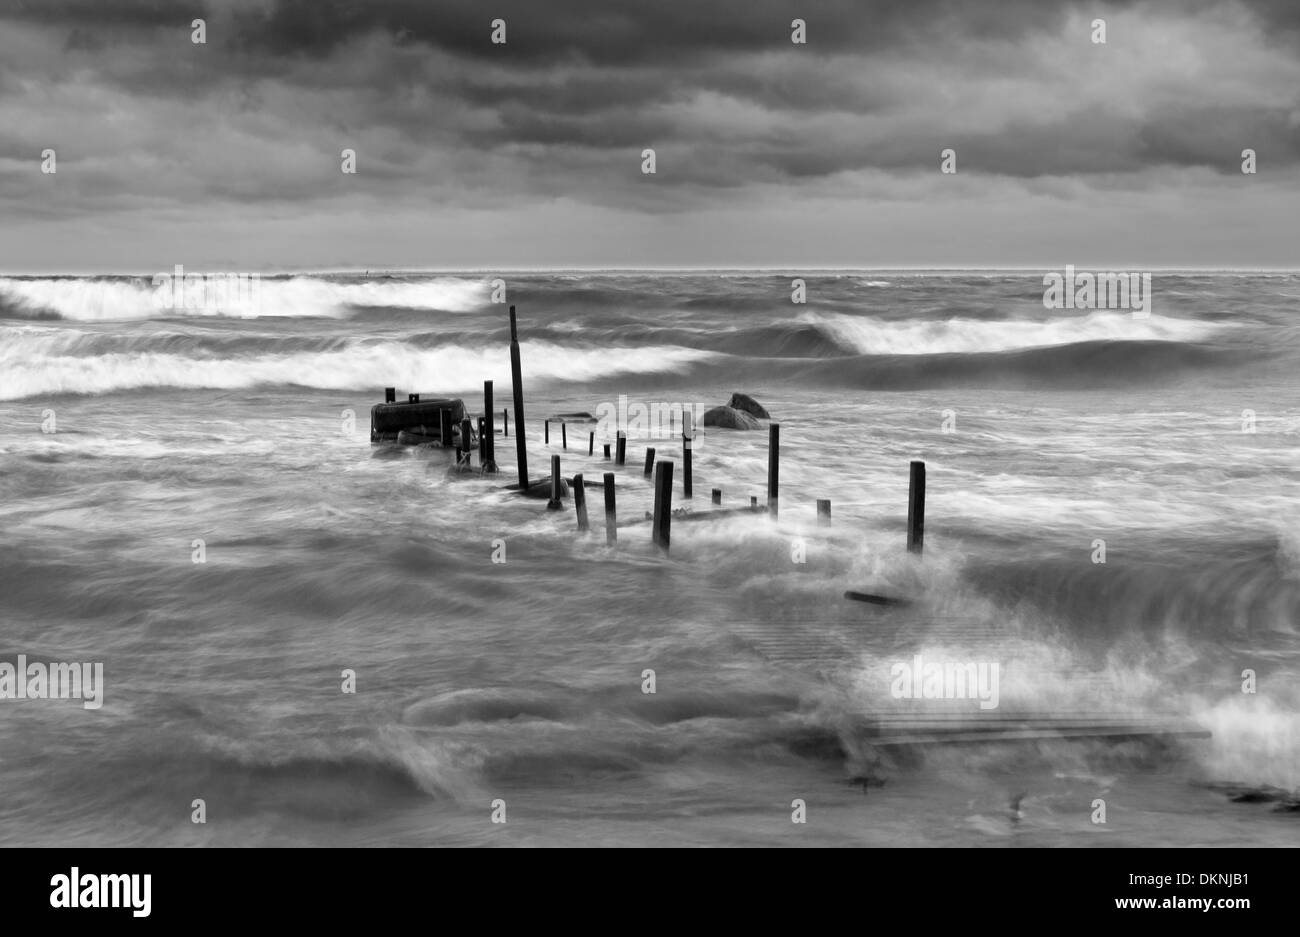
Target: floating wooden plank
(1038,728)
(874,599)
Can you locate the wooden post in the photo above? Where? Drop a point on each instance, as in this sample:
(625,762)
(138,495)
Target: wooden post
(717,495)
(517,386)
(390,395)
(611,520)
(649,461)
(606,452)
(753,502)
(824,511)
(621,448)
(591,443)
(482,444)
(444,427)
(580,502)
(916,508)
(773,465)
(412,398)
(466,438)
(489,432)
(546,432)
(687,436)
(663,516)
(564,434)
(505,422)
(554,503)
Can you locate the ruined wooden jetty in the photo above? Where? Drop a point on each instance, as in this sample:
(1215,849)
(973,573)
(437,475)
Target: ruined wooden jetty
(444,422)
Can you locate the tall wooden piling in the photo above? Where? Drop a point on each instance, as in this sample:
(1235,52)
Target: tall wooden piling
(591,443)
(554,503)
(773,466)
(564,434)
(580,501)
(482,444)
(611,518)
(688,433)
(546,432)
(606,452)
(505,422)
(517,386)
(717,495)
(662,521)
(390,395)
(489,432)
(649,460)
(916,508)
(620,448)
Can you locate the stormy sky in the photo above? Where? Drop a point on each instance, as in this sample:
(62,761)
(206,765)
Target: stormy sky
(472,154)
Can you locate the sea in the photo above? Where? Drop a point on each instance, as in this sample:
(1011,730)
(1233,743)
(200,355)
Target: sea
(310,639)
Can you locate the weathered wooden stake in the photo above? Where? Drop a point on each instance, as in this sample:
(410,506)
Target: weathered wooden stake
(663,516)
(517,385)
(687,438)
(611,519)
(390,395)
(564,435)
(916,508)
(412,398)
(606,452)
(489,431)
(649,460)
(717,495)
(505,422)
(591,443)
(621,448)
(580,502)
(753,502)
(482,444)
(546,432)
(773,465)
(466,440)
(554,503)
(824,511)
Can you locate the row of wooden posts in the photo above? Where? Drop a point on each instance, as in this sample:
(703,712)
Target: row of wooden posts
(662,471)
(661,518)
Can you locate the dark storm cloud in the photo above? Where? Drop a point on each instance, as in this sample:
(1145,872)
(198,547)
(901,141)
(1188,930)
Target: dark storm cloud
(565,108)
(98,13)
(630,31)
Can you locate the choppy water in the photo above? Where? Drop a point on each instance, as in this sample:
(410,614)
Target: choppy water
(522,680)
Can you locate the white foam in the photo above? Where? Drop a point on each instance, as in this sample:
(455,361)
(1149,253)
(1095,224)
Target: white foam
(114,300)
(872,336)
(362,365)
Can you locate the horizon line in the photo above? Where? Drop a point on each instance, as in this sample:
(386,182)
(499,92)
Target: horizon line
(773,269)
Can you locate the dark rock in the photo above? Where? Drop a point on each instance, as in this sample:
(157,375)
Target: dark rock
(730,418)
(749,405)
(541,488)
